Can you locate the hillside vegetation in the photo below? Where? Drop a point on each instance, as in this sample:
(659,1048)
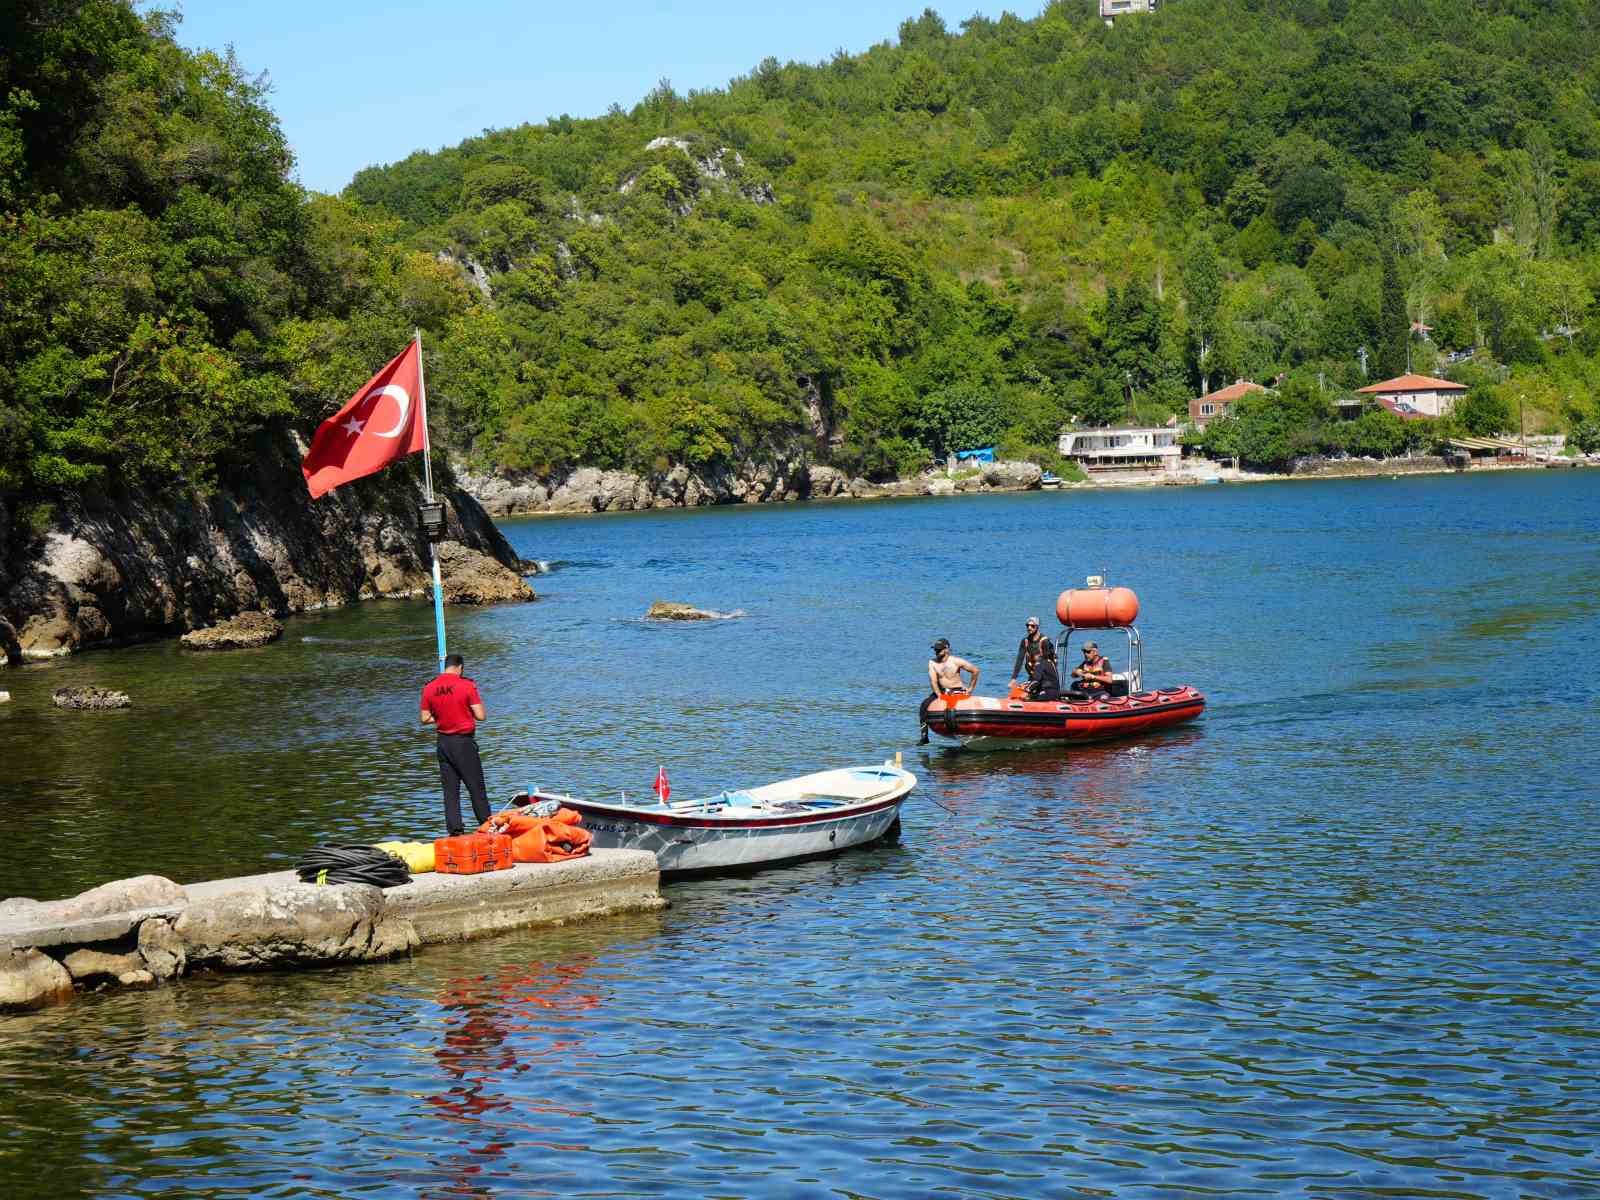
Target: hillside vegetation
(959,237)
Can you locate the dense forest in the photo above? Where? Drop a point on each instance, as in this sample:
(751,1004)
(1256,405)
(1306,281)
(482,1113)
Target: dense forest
(958,237)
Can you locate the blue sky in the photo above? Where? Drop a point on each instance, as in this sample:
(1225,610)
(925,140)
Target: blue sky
(355,82)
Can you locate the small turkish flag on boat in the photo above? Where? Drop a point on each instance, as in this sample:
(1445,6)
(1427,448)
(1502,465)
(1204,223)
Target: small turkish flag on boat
(381,423)
(661,787)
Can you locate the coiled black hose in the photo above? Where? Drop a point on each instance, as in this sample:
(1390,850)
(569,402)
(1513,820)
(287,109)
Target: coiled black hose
(352,864)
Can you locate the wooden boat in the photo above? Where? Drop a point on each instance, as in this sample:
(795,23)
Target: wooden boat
(811,815)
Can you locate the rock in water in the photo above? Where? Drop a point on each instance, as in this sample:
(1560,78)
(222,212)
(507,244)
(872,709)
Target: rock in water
(31,979)
(92,965)
(243,632)
(89,698)
(672,610)
(471,577)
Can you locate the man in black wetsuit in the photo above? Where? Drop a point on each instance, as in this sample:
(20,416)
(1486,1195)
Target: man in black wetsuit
(1028,652)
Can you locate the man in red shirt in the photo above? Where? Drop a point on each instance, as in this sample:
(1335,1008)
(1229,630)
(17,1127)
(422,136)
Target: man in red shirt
(451,704)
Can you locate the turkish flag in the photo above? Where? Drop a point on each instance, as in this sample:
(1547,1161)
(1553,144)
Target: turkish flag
(381,422)
(661,787)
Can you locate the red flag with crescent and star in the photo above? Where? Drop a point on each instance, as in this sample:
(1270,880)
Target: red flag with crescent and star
(382,422)
(661,787)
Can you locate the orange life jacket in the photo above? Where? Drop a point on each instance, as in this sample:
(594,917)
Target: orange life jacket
(542,839)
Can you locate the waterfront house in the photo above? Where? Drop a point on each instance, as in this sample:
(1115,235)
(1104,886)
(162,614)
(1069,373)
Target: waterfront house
(1150,450)
(1427,396)
(1207,408)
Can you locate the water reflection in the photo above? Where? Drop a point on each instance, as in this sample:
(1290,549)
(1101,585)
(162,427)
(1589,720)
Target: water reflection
(1335,939)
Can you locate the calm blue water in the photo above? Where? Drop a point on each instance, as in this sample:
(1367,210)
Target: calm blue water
(1337,939)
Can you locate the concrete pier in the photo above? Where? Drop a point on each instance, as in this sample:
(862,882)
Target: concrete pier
(142,931)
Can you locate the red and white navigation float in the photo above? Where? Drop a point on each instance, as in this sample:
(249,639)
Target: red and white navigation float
(1122,708)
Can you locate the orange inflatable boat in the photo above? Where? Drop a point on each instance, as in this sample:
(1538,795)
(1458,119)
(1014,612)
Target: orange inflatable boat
(1118,706)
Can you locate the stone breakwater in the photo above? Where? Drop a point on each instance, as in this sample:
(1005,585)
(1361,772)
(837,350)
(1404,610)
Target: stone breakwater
(147,930)
(141,560)
(591,490)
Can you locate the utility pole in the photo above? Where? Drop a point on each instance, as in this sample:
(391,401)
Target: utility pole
(1522,428)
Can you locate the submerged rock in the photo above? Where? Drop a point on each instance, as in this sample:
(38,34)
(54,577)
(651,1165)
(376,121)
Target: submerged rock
(672,610)
(244,632)
(32,979)
(89,698)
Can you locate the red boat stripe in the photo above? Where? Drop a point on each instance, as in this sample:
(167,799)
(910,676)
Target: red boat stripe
(682,820)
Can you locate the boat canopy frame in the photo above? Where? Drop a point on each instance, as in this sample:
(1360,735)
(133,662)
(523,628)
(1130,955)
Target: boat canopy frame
(1135,672)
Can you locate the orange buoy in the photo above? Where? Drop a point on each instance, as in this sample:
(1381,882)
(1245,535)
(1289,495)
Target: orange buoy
(1097,608)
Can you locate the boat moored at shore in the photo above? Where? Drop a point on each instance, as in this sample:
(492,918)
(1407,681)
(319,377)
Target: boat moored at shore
(805,817)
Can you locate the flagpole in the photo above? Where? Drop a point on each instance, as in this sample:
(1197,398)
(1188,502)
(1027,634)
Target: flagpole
(427,491)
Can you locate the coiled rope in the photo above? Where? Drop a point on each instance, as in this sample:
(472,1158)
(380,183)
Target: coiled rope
(352,863)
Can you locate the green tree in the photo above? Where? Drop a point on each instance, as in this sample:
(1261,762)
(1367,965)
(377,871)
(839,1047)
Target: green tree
(1394,326)
(1202,287)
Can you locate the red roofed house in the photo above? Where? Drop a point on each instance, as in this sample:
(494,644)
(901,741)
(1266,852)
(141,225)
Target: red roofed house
(1423,394)
(1204,409)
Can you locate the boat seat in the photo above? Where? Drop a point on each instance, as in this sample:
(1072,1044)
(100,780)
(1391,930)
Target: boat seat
(1117,687)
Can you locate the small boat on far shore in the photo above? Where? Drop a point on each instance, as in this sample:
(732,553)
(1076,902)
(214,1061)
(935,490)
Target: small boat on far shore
(792,819)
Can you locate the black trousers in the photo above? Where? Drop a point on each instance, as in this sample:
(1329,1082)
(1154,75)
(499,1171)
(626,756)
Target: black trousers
(458,764)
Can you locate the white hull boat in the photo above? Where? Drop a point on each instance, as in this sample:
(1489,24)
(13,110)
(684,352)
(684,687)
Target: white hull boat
(779,822)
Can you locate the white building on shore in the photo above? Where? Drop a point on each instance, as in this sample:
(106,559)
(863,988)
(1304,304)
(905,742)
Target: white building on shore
(1150,450)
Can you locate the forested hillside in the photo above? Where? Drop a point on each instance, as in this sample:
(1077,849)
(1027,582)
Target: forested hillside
(962,235)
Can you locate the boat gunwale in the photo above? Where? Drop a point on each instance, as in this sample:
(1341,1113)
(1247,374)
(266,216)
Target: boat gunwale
(1053,711)
(689,820)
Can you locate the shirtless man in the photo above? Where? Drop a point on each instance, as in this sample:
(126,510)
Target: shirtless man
(944,675)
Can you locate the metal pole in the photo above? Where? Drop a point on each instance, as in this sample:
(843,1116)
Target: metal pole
(427,451)
(427,490)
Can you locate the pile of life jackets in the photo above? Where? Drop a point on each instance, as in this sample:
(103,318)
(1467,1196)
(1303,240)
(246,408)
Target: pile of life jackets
(536,839)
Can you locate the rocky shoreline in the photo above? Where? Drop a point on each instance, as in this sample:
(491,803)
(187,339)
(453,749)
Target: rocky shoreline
(591,490)
(136,561)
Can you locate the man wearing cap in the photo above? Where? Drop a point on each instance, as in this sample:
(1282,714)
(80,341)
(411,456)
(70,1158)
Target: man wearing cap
(1027,652)
(1094,672)
(452,704)
(944,675)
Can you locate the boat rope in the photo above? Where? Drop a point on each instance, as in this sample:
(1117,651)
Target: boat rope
(352,863)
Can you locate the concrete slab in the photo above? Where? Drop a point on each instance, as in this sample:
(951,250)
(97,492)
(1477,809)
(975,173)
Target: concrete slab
(452,908)
(86,931)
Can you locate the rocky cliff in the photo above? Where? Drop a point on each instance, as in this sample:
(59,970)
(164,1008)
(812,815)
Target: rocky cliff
(589,489)
(133,560)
